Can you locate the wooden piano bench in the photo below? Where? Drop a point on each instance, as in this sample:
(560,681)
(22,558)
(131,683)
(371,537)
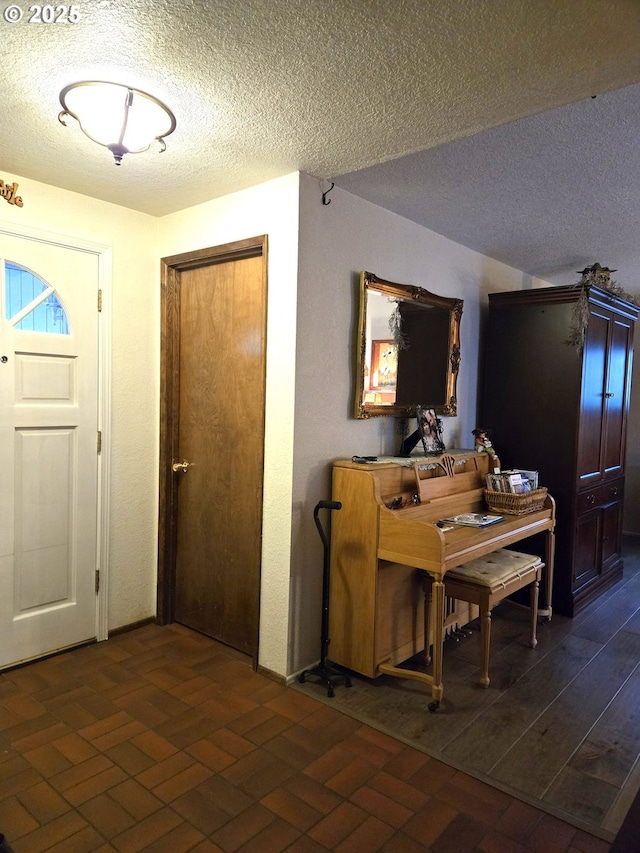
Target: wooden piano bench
(486,581)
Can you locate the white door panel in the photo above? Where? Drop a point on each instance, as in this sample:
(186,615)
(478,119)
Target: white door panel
(48,454)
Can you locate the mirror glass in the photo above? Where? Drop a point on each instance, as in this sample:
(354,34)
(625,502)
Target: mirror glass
(408,349)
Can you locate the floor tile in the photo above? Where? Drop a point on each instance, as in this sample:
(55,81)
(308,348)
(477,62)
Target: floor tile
(164,740)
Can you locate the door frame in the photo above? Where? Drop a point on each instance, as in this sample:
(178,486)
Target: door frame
(171,269)
(103,252)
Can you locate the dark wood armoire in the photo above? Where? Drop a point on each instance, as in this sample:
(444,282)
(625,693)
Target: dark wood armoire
(555,397)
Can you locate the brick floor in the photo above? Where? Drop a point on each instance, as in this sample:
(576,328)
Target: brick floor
(161,739)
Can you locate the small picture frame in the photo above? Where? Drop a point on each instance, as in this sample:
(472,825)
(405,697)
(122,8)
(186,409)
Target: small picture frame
(430,429)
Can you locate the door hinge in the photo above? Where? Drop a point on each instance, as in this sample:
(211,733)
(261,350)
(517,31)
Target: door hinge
(97,581)
(100,300)
(99,442)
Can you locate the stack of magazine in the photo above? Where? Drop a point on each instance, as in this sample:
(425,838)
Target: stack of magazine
(516,481)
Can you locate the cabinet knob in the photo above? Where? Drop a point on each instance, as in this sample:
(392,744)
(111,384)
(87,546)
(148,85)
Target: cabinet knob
(609,394)
(591,499)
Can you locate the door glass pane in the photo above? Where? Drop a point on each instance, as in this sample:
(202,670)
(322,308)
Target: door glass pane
(22,288)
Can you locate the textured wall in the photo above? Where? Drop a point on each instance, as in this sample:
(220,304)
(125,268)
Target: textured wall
(337,241)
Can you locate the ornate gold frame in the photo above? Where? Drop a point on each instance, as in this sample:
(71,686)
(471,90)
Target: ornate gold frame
(448,404)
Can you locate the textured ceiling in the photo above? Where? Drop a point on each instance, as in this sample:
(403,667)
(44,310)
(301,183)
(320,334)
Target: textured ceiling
(261,88)
(549,194)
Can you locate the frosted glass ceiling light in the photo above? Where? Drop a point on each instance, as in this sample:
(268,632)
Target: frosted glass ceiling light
(121,118)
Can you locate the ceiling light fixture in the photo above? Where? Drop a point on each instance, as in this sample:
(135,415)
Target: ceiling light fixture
(123,119)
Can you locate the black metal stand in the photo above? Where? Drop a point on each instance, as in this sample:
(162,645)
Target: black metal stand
(326,672)
(409,443)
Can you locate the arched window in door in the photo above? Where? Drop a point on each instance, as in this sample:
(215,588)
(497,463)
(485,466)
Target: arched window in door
(31,304)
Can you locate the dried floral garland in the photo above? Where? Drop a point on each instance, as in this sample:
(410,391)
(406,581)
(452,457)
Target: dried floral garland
(579,322)
(601,277)
(395,327)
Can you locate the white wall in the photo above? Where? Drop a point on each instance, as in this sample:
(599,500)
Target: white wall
(337,241)
(270,208)
(134,375)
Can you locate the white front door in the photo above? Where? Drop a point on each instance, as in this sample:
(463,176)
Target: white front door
(48,446)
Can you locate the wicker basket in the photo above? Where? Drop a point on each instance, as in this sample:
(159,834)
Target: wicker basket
(511,504)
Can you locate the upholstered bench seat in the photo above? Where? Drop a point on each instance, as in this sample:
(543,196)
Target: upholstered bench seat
(486,581)
(496,570)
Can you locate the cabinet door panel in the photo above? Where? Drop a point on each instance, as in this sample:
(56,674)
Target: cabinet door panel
(586,559)
(592,403)
(611,535)
(616,394)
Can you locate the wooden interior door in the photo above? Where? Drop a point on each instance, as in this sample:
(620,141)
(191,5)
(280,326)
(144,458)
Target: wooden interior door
(214,328)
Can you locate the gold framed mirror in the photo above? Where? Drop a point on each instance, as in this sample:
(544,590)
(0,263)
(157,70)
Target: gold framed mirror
(408,350)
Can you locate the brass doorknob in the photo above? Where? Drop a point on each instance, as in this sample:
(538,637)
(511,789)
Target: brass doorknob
(182,466)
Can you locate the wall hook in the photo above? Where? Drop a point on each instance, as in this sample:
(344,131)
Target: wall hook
(326,193)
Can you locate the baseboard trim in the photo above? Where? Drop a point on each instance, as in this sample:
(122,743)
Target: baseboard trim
(124,629)
(274,676)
